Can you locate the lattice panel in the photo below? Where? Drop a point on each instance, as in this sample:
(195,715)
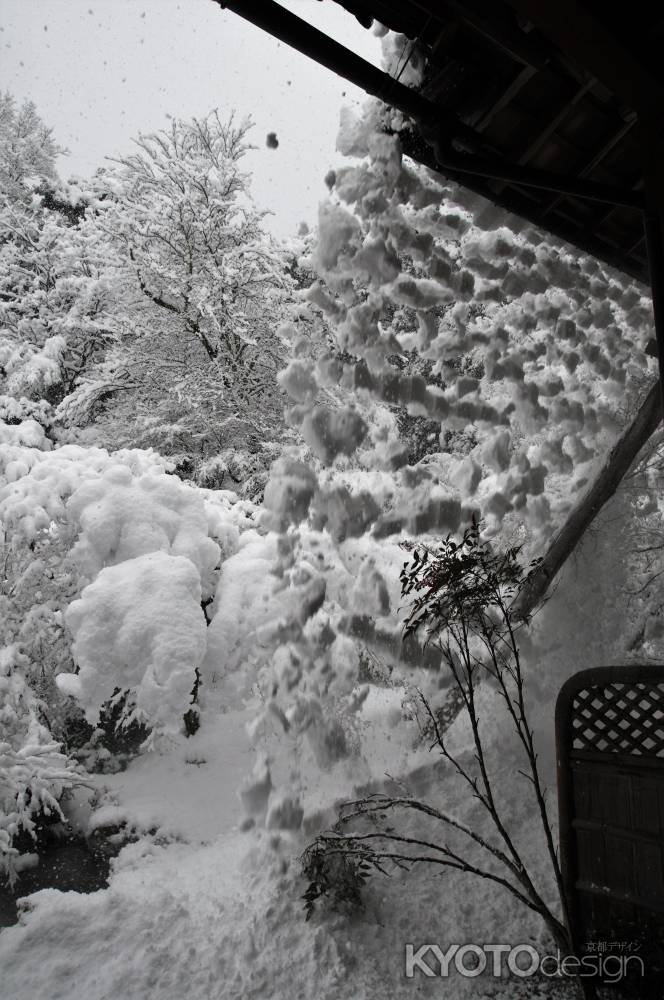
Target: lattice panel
(620,718)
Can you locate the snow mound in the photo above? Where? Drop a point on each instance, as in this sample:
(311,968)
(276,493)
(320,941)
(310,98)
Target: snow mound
(122,517)
(140,626)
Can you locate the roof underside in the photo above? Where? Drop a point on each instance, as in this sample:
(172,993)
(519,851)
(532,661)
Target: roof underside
(532,104)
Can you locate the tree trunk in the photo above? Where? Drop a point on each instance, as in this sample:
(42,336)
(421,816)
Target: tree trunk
(618,463)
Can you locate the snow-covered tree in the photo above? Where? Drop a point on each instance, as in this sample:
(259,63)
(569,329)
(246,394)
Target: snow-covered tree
(54,315)
(55,305)
(34,773)
(27,149)
(202,287)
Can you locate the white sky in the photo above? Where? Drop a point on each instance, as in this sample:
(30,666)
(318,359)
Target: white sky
(100,71)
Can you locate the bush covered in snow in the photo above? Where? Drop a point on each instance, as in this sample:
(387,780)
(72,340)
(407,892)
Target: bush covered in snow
(34,773)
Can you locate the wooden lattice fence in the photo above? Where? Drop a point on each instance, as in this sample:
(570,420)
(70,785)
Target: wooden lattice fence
(610,749)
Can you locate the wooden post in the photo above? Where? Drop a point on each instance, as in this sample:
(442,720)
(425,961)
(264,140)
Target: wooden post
(652,137)
(620,459)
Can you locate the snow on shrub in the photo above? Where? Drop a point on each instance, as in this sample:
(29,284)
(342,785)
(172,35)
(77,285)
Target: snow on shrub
(36,481)
(31,371)
(139,627)
(33,772)
(121,516)
(135,549)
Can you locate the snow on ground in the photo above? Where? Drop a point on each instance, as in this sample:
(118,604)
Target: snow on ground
(187,793)
(174,922)
(225,921)
(220,914)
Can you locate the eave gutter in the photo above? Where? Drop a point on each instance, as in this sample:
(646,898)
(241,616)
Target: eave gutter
(456,144)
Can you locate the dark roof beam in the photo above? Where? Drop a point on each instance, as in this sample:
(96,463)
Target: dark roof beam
(540,139)
(445,37)
(481,17)
(586,40)
(635,246)
(595,160)
(536,144)
(517,84)
(510,173)
(512,200)
(595,224)
(443,129)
